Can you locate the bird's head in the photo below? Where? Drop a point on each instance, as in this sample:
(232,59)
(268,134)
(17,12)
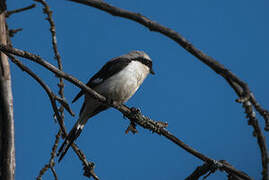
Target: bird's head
(142,57)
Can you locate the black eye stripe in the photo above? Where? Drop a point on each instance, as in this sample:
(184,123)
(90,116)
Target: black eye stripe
(144,61)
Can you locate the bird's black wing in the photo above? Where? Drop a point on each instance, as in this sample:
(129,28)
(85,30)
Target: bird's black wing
(109,69)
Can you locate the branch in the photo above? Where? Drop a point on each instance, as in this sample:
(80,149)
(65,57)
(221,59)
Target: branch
(48,12)
(252,121)
(209,169)
(260,137)
(9,13)
(199,171)
(261,110)
(51,163)
(132,114)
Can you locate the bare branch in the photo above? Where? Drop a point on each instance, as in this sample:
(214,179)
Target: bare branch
(132,114)
(64,104)
(9,13)
(261,110)
(252,121)
(199,171)
(260,137)
(51,163)
(209,169)
(48,12)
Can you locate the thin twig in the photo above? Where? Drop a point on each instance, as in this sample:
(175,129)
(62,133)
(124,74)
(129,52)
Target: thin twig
(51,163)
(48,12)
(12,32)
(133,116)
(8,13)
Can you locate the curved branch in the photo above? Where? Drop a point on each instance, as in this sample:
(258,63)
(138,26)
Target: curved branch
(132,115)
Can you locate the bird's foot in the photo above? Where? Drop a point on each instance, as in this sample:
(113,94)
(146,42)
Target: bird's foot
(109,101)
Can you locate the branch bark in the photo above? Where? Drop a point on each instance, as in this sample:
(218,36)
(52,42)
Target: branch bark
(9,13)
(7,147)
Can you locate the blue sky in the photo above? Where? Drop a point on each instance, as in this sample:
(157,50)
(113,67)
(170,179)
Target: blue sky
(198,105)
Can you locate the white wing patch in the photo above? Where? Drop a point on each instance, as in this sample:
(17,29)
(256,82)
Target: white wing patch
(97,81)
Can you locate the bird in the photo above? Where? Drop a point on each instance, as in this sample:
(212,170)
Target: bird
(117,80)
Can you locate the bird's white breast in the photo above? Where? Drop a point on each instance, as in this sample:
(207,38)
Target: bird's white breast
(121,86)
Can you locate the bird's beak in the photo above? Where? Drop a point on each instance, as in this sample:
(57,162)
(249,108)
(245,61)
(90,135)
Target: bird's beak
(151,71)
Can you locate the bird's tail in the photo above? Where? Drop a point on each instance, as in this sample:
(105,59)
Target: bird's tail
(71,137)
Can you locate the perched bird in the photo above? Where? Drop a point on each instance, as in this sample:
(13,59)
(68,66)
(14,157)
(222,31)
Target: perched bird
(118,80)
